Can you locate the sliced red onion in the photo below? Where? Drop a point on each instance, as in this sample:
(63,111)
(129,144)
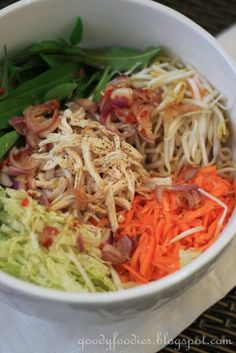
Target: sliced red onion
(192,197)
(111,254)
(105,109)
(119,252)
(13,171)
(43,200)
(125,246)
(52,127)
(32,115)
(104,102)
(108,237)
(103,119)
(121,102)
(20,126)
(189,173)
(148,139)
(18,122)
(35,116)
(21,162)
(35,122)
(110,125)
(182,187)
(79,243)
(120,115)
(16,185)
(32,140)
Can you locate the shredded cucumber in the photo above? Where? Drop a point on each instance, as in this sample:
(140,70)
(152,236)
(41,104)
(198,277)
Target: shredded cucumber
(61,266)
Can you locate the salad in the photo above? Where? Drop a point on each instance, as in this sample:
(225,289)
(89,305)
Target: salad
(116,168)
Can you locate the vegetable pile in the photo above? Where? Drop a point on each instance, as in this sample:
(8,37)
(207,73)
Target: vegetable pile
(115,165)
(59,69)
(170,114)
(176,221)
(82,167)
(44,247)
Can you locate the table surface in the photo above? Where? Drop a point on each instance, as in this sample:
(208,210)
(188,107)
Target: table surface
(219,321)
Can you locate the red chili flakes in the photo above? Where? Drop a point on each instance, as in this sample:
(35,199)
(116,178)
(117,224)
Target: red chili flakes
(47,237)
(143,132)
(118,208)
(25,202)
(92,221)
(130,118)
(108,92)
(51,230)
(75,223)
(101,246)
(47,242)
(146,90)
(119,113)
(143,114)
(48,146)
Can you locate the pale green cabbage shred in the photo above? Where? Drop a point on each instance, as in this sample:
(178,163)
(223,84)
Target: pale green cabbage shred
(61,266)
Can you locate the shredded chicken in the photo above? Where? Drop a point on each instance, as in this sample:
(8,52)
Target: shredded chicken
(88,170)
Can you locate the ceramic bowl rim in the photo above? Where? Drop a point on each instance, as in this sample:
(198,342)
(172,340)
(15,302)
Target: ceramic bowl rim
(30,290)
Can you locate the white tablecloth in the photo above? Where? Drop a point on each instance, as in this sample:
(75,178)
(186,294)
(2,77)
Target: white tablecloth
(23,334)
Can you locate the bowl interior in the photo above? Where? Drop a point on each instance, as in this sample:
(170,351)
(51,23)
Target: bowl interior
(137,24)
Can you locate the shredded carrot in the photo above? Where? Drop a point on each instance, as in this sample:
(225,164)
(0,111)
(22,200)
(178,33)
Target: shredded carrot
(103,222)
(138,278)
(25,202)
(92,221)
(153,223)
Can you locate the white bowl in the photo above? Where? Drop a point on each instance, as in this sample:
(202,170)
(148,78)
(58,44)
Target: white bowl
(138,24)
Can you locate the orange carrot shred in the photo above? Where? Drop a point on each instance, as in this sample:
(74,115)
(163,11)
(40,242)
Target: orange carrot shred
(103,222)
(153,223)
(135,274)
